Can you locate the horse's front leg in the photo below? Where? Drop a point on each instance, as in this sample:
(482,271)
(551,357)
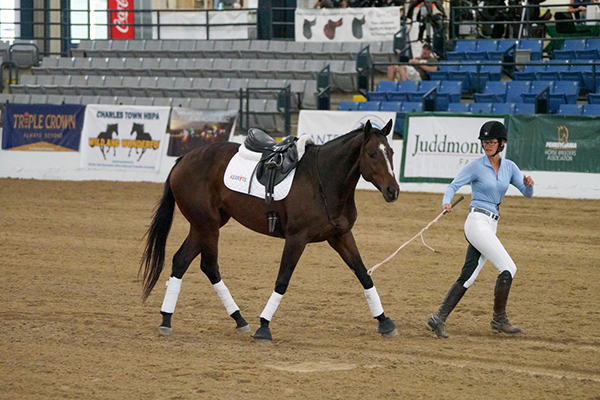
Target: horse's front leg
(294,246)
(345,245)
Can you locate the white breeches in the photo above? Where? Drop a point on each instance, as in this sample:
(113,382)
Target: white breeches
(480,231)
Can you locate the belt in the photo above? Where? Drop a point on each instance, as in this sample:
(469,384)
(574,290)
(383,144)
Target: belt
(486,212)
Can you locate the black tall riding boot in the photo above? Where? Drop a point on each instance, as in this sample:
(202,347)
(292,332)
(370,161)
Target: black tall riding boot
(500,323)
(437,321)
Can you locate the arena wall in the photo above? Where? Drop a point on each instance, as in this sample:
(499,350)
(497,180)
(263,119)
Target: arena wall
(65,166)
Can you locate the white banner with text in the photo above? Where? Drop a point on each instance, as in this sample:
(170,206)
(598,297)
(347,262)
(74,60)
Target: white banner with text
(123,137)
(436,147)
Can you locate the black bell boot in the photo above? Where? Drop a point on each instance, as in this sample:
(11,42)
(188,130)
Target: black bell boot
(500,322)
(437,321)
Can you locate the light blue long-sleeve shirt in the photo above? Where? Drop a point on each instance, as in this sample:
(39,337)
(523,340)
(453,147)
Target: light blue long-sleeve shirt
(487,190)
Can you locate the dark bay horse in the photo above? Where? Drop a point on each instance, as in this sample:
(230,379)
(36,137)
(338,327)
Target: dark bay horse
(320,206)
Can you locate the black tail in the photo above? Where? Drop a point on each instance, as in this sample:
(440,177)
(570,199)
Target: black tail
(153,259)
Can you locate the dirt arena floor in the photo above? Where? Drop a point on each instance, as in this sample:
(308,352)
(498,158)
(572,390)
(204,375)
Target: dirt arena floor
(73,325)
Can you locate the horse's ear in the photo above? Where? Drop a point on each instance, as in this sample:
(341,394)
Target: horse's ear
(367,129)
(387,128)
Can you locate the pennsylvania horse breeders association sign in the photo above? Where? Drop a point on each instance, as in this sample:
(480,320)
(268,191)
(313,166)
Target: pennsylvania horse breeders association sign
(123,137)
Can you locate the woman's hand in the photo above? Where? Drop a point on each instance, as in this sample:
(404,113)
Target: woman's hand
(527,181)
(447,207)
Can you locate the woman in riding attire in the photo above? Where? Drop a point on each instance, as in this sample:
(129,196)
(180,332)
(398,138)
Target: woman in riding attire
(489,177)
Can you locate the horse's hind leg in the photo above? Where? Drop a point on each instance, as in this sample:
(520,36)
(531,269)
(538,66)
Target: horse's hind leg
(181,261)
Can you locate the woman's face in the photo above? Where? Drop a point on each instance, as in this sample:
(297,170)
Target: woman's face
(490,146)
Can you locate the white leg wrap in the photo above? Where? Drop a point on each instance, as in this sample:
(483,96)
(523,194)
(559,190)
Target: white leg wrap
(374,302)
(272,305)
(173,288)
(225,297)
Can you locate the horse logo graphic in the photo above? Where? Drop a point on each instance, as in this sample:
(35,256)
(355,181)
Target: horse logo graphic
(563,134)
(140,137)
(105,140)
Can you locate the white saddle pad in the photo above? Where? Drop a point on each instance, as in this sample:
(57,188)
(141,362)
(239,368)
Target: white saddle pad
(239,170)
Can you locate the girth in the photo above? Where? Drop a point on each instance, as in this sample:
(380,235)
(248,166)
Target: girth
(277,161)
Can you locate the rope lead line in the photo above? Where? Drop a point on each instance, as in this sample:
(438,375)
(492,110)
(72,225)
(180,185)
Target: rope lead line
(370,271)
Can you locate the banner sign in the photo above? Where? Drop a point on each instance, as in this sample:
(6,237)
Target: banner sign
(437,147)
(323,126)
(554,143)
(123,137)
(191,129)
(42,127)
(120,20)
(346,24)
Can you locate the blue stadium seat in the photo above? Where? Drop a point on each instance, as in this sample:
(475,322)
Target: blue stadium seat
(524,108)
(459,107)
(401,93)
(442,73)
(494,92)
(591,51)
(592,110)
(424,87)
(411,106)
(535,45)
(383,88)
(567,52)
(486,73)
(463,74)
(570,109)
(553,70)
(460,50)
(368,105)
(481,108)
(395,106)
(482,49)
(535,88)
(348,106)
(514,90)
(503,108)
(576,73)
(530,71)
(449,92)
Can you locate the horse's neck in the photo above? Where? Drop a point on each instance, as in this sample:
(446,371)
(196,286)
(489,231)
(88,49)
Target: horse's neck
(338,164)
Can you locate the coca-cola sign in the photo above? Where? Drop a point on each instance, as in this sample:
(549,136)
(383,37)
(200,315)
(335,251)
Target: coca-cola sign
(120,20)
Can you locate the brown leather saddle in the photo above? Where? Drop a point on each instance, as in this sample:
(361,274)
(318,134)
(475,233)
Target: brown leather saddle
(277,160)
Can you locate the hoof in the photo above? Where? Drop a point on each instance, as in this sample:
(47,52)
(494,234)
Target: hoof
(243,329)
(390,334)
(387,328)
(263,335)
(164,330)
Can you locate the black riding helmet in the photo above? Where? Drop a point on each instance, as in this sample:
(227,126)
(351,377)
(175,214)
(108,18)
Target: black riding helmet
(494,130)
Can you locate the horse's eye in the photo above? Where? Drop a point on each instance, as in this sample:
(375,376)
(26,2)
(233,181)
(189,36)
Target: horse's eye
(372,155)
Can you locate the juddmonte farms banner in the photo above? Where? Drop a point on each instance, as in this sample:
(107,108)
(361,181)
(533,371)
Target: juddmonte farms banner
(437,147)
(554,143)
(42,127)
(346,24)
(123,137)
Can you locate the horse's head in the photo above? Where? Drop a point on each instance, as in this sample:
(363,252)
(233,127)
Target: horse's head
(376,161)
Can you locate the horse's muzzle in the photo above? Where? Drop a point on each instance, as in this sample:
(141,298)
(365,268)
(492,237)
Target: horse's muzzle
(390,193)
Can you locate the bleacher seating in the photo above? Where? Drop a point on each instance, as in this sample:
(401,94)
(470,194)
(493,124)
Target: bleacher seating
(381,51)
(343,72)
(304,92)
(570,109)
(400,108)
(560,92)
(592,110)
(492,108)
